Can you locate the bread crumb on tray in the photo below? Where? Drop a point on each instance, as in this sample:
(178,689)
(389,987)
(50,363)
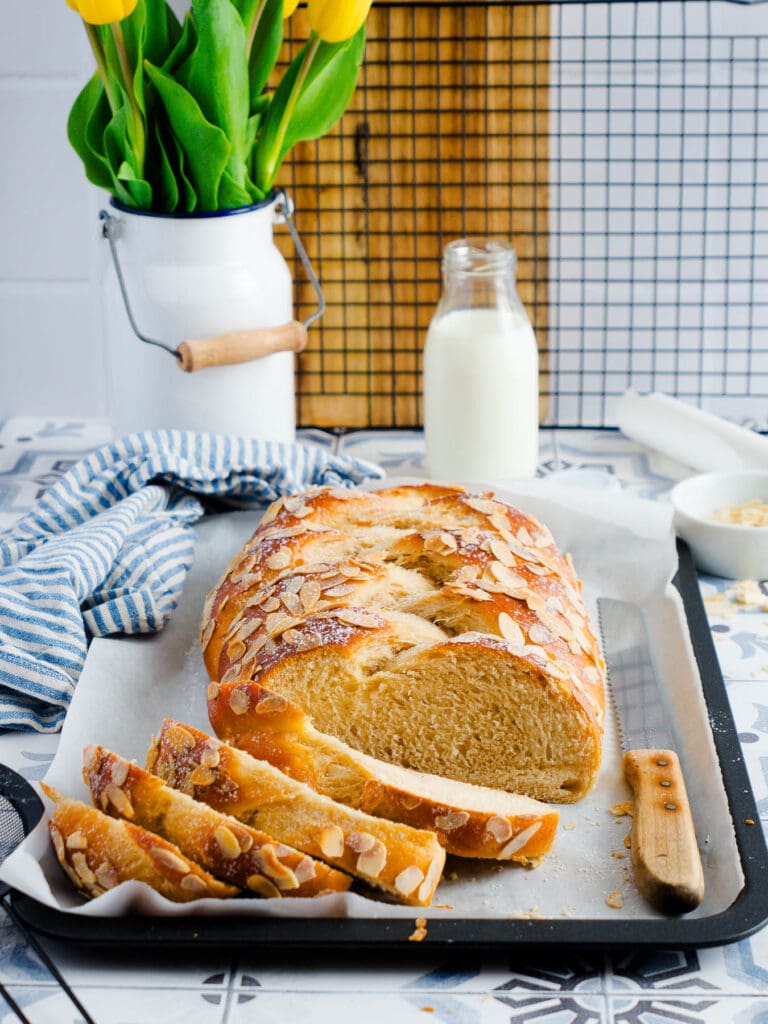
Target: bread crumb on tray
(420,931)
(622,809)
(615,899)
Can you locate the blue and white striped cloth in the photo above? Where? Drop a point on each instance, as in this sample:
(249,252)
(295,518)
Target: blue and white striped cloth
(107,549)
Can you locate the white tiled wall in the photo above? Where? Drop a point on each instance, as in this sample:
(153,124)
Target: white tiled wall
(51,259)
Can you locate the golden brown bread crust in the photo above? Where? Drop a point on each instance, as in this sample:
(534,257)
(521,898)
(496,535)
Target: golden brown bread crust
(468,822)
(98,852)
(223,846)
(351,604)
(400,860)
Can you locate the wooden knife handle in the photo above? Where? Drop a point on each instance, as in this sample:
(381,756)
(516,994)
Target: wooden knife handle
(665,855)
(241,346)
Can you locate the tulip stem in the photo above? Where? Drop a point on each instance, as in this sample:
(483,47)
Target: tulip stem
(254,26)
(273,160)
(101,63)
(139,140)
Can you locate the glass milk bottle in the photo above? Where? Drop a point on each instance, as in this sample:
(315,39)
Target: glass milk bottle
(481,370)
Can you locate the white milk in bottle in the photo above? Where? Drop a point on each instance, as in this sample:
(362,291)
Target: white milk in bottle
(481,370)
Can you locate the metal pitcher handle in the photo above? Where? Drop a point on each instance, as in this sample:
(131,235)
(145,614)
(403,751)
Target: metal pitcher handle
(231,347)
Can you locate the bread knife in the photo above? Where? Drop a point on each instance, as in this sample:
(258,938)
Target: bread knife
(665,856)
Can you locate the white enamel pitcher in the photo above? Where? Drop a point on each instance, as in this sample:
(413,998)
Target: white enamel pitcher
(199,321)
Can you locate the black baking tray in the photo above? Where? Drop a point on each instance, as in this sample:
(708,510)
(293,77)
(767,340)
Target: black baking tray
(743,917)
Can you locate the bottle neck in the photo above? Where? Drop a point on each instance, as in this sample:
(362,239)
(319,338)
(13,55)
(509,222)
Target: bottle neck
(479,274)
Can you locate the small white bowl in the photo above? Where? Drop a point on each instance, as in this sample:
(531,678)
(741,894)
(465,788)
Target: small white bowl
(722,549)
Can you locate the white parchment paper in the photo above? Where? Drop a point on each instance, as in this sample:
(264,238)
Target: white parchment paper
(622,547)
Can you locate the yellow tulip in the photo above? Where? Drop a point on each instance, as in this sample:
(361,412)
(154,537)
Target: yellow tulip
(289,6)
(337,20)
(102,12)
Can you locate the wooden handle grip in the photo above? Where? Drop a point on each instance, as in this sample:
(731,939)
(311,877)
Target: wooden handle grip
(665,856)
(241,346)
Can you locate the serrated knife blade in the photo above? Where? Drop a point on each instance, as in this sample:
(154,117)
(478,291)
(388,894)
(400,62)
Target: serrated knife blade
(665,856)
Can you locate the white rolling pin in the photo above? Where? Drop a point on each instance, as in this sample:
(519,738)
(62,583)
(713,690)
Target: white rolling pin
(691,436)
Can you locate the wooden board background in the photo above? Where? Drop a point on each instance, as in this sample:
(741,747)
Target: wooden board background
(446,137)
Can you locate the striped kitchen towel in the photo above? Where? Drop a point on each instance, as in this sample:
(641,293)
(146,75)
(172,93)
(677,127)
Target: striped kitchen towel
(107,549)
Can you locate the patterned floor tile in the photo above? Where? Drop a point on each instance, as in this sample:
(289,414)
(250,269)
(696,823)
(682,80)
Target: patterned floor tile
(401,452)
(688,1010)
(135,1005)
(404,1008)
(205,970)
(644,473)
(543,974)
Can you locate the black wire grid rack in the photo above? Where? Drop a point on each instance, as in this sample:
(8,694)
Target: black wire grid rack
(622,147)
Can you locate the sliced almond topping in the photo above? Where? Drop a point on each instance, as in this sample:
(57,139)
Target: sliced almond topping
(80,864)
(519,841)
(120,801)
(245,839)
(58,842)
(107,876)
(525,538)
(180,739)
(539,634)
(226,842)
(449,541)
(465,574)
(262,887)
(210,757)
(277,623)
(193,883)
(293,637)
(273,704)
(432,542)
(271,865)
(408,879)
(279,560)
(202,776)
(168,859)
(270,604)
(501,552)
(428,885)
(213,691)
(235,650)
(239,701)
(358,617)
(305,869)
(342,591)
(310,594)
(205,639)
(331,841)
(409,801)
(510,630)
(119,771)
(500,828)
(452,820)
(483,505)
(473,592)
(372,861)
(291,602)
(360,842)
(76,841)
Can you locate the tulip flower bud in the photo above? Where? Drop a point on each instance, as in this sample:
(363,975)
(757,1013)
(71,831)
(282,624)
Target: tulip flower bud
(337,20)
(102,12)
(289,6)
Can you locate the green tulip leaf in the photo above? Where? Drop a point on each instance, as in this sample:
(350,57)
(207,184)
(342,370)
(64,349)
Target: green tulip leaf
(216,75)
(117,148)
(327,90)
(88,119)
(139,190)
(323,98)
(265,48)
(232,195)
(168,188)
(182,51)
(204,146)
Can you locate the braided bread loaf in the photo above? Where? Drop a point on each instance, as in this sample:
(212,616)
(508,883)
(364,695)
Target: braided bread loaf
(425,626)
